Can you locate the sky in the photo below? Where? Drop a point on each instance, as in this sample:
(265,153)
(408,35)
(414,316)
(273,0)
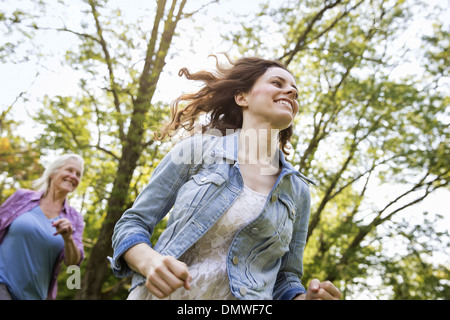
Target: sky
(57,79)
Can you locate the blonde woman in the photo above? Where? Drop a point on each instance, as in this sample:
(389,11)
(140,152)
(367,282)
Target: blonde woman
(38,230)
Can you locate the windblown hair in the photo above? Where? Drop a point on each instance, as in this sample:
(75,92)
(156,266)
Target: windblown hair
(216,98)
(43,183)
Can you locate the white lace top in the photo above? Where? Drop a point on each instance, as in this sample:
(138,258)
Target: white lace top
(206,259)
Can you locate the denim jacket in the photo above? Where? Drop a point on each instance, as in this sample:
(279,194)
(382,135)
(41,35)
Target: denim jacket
(197,181)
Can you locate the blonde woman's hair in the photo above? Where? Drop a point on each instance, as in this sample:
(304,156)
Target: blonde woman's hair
(43,183)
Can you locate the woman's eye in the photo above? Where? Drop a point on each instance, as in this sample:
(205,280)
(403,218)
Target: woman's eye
(277,83)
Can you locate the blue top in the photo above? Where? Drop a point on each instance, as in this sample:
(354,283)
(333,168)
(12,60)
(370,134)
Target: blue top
(28,255)
(197,181)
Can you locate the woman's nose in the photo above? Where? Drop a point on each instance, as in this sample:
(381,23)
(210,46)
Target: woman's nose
(288,90)
(74,175)
(291,93)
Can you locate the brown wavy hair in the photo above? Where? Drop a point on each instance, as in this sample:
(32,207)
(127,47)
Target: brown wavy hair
(217,98)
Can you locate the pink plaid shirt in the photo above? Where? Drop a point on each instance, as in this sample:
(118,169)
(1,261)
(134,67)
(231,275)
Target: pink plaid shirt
(23,201)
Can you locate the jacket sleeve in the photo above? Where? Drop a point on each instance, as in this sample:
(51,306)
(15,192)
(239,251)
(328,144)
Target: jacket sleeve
(6,216)
(288,283)
(152,204)
(10,201)
(78,225)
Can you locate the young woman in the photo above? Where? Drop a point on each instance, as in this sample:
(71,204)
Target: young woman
(238,210)
(38,229)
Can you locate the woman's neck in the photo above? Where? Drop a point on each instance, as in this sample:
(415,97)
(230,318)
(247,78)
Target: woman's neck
(54,196)
(52,202)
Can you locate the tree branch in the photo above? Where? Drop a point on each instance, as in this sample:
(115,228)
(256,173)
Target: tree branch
(301,41)
(81,146)
(188,15)
(114,87)
(149,58)
(65,29)
(365,230)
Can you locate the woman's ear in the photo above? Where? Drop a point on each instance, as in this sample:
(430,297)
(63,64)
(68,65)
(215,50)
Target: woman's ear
(241,99)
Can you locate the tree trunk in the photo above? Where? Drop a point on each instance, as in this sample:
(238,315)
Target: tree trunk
(97,266)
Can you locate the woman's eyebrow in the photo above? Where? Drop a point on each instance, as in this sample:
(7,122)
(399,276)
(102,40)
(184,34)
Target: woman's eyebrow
(284,80)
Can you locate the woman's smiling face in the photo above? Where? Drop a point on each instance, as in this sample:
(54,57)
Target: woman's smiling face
(272,99)
(68,177)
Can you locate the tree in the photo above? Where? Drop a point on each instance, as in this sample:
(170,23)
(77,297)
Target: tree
(18,159)
(132,141)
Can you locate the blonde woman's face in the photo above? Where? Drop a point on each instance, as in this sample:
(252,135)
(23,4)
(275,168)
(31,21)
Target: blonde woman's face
(68,177)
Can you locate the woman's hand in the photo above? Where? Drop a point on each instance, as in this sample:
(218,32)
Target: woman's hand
(64,228)
(72,254)
(164,274)
(320,291)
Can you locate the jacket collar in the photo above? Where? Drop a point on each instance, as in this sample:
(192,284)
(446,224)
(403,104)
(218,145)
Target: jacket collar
(227,147)
(37,195)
